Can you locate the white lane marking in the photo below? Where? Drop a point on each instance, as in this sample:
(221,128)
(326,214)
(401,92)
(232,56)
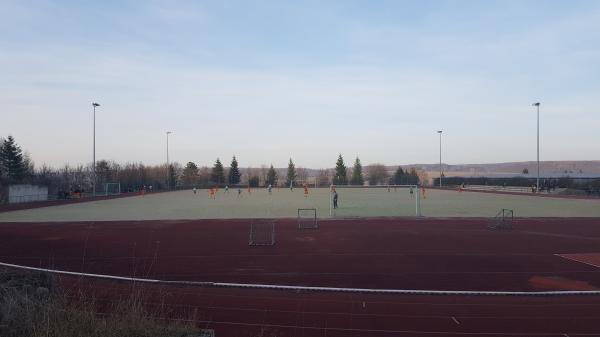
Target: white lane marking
(455,320)
(567,257)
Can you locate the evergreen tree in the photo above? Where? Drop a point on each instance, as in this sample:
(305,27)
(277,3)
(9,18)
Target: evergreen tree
(271,176)
(172,176)
(341,176)
(2,169)
(12,161)
(413,176)
(253,181)
(357,176)
(218,173)
(234,172)
(291,174)
(190,174)
(399,177)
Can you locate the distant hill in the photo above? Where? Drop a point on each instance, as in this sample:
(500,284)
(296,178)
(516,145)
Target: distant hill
(590,168)
(587,168)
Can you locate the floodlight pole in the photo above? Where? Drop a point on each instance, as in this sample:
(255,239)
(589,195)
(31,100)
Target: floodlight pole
(168,168)
(440,132)
(94,105)
(537,188)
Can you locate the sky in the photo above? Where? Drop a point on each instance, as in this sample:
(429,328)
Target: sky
(270,80)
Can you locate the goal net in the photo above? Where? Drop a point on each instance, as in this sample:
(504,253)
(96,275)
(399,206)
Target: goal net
(112,188)
(262,233)
(380,200)
(307,218)
(503,220)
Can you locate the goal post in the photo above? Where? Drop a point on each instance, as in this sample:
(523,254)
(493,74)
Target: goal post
(378,200)
(112,189)
(262,233)
(307,218)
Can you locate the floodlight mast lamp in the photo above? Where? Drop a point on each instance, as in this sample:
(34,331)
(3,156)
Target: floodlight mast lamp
(440,132)
(94,105)
(168,168)
(537,185)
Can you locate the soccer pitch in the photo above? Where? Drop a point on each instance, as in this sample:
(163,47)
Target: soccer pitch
(285,203)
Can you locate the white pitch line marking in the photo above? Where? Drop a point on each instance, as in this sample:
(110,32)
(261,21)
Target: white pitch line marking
(455,320)
(565,335)
(566,257)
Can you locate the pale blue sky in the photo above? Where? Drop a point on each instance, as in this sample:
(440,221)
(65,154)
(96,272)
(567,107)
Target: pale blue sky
(266,80)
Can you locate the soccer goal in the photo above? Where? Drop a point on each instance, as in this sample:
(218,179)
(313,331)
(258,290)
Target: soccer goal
(262,233)
(503,220)
(112,188)
(307,218)
(380,200)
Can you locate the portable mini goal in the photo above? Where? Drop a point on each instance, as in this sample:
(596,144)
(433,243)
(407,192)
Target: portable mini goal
(112,188)
(503,220)
(307,218)
(262,233)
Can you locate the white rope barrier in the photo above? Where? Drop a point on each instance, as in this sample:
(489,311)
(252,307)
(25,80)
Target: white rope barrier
(312,289)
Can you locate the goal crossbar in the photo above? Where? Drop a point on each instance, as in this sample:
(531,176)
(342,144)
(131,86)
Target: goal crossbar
(112,189)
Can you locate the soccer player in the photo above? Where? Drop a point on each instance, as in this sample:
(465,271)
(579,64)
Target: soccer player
(239,192)
(212,193)
(423,192)
(305,191)
(412,192)
(335,199)
(292,186)
(226,188)
(270,188)
(194,190)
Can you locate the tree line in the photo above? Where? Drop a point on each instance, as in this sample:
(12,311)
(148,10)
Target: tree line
(17,168)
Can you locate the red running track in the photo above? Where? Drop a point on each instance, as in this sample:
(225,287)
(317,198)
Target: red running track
(442,254)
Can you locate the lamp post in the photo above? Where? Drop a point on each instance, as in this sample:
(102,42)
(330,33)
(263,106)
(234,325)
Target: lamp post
(168,168)
(537,185)
(440,132)
(94,105)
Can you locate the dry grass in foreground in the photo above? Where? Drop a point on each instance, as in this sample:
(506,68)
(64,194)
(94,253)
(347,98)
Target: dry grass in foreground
(32,305)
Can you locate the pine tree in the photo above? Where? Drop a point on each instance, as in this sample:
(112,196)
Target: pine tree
(234,172)
(254,181)
(218,173)
(2,169)
(399,177)
(172,176)
(357,176)
(271,176)
(341,176)
(413,176)
(190,174)
(291,174)
(11,160)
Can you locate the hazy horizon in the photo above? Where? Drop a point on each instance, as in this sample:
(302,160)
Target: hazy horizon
(268,81)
